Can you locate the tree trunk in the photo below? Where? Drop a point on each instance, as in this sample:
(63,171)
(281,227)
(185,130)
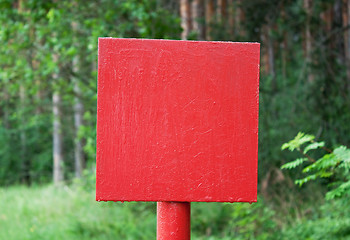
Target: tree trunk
(308,39)
(58,175)
(271,55)
(264,51)
(78,122)
(185,12)
(25,166)
(327,18)
(338,23)
(346,24)
(198,18)
(268,53)
(23,136)
(221,10)
(239,18)
(209,18)
(284,45)
(78,113)
(231,18)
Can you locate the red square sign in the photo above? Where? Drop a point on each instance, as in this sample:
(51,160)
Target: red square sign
(177,120)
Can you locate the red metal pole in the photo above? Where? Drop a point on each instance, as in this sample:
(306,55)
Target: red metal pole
(173,221)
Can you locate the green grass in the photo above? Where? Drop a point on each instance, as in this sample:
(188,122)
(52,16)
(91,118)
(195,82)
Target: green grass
(71,212)
(66,213)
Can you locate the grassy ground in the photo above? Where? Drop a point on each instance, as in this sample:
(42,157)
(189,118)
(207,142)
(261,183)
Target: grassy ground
(71,212)
(67,213)
(50,213)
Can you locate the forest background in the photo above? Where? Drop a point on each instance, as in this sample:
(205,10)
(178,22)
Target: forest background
(48,93)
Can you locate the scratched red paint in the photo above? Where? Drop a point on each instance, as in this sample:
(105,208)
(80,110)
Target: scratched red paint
(177,120)
(173,220)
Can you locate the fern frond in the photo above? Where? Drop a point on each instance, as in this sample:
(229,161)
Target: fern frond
(339,191)
(293,164)
(299,140)
(343,153)
(309,178)
(313,146)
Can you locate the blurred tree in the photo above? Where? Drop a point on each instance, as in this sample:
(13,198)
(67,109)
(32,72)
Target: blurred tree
(48,71)
(308,38)
(48,61)
(346,26)
(198,18)
(50,46)
(78,107)
(186,23)
(209,18)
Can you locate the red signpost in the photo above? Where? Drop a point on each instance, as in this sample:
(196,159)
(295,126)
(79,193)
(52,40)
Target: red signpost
(173,220)
(177,122)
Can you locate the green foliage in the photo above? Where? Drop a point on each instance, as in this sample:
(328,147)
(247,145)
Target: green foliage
(42,38)
(300,139)
(87,182)
(313,146)
(233,221)
(329,220)
(332,221)
(333,165)
(40,29)
(294,163)
(71,212)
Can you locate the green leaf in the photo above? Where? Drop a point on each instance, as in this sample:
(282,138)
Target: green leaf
(342,153)
(313,146)
(294,163)
(300,182)
(345,165)
(51,14)
(324,163)
(339,191)
(327,161)
(326,174)
(299,140)
(310,167)
(71,51)
(285,146)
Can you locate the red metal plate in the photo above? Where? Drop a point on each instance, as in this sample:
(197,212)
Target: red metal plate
(177,120)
